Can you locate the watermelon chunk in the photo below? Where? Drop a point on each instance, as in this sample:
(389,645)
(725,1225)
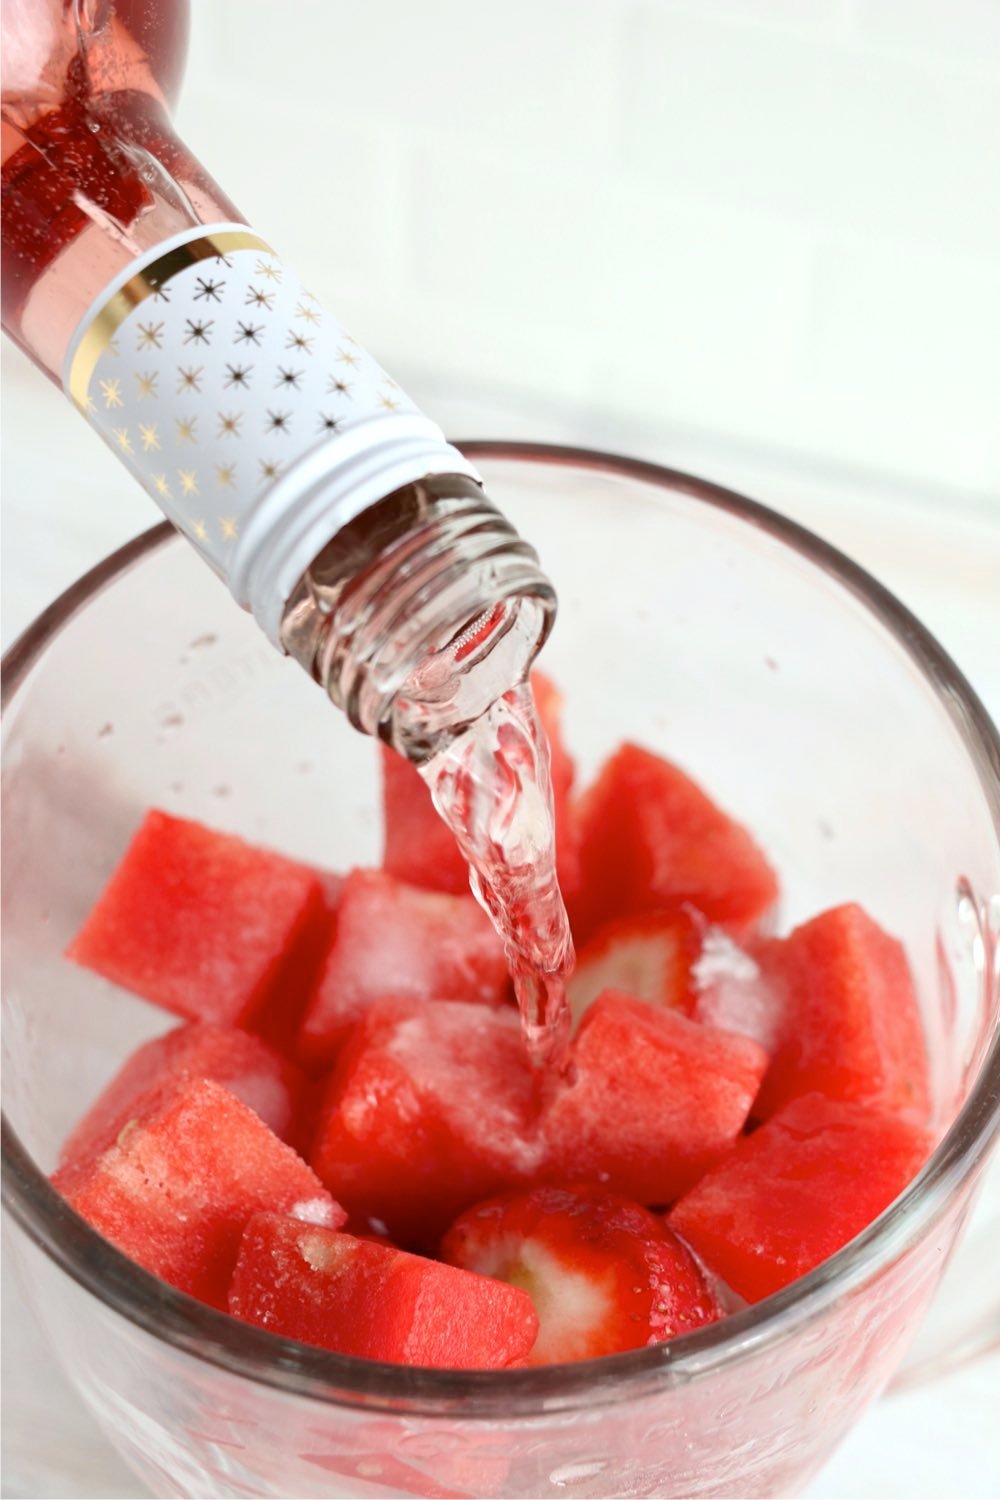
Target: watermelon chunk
(185,1174)
(393,939)
(650,840)
(431,1106)
(796,1190)
(656,1099)
(199,922)
(650,957)
(419,847)
(251,1070)
(848,1021)
(362,1298)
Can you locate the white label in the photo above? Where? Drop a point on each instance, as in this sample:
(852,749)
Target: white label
(211,371)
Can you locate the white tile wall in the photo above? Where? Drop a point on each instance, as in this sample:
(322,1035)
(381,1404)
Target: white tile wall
(769,221)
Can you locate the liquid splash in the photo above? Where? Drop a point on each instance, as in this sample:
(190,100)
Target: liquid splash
(491,785)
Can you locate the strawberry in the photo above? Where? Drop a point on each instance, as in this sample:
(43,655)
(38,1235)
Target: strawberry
(650,957)
(604,1274)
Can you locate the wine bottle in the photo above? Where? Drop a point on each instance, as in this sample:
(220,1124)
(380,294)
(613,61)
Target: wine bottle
(361,541)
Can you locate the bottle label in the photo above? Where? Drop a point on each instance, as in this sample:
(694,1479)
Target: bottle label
(249,413)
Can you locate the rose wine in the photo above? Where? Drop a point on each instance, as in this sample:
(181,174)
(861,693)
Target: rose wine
(492,787)
(333,509)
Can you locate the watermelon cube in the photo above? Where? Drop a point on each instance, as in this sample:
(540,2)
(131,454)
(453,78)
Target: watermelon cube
(251,1070)
(396,940)
(419,847)
(655,1100)
(848,1021)
(796,1190)
(431,1106)
(185,1174)
(199,922)
(362,1298)
(651,840)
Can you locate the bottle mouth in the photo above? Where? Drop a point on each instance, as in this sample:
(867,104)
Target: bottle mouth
(457,682)
(421,614)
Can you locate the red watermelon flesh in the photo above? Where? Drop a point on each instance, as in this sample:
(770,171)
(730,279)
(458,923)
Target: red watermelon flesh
(362,1298)
(549,702)
(251,1070)
(796,1190)
(419,847)
(186,1173)
(848,1021)
(431,1106)
(650,839)
(396,940)
(655,1100)
(199,922)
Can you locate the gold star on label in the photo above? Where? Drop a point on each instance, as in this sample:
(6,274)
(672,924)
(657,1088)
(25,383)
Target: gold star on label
(111,390)
(227,525)
(208,290)
(200,530)
(150,437)
(186,429)
(299,341)
(338,387)
(224,475)
(269,469)
(229,423)
(189,481)
(146,385)
(256,297)
(388,402)
(345,357)
(198,331)
(309,313)
(189,379)
(161,486)
(149,336)
(122,439)
(113,348)
(264,268)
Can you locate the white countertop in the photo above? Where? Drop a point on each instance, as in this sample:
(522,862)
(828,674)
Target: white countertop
(66,504)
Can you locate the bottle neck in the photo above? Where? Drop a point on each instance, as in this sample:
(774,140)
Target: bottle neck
(420,614)
(93,175)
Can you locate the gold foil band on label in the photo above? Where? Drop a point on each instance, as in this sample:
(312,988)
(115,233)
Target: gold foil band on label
(146,283)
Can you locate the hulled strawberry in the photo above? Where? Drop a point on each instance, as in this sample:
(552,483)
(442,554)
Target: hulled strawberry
(604,1274)
(650,956)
